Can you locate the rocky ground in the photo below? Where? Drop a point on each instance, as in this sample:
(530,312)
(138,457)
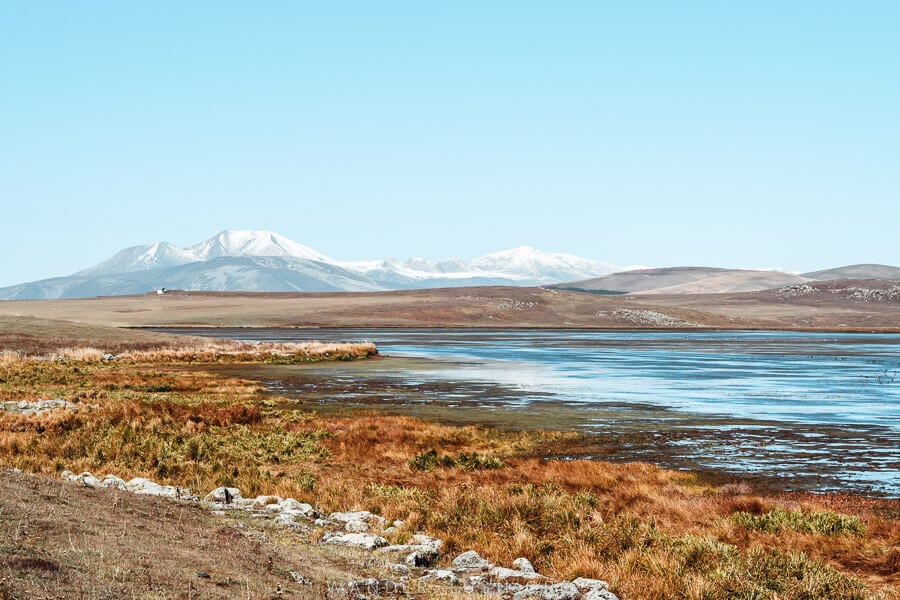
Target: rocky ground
(86,537)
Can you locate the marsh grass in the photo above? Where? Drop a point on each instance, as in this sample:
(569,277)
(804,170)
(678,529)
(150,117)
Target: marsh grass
(822,522)
(206,352)
(651,533)
(430,459)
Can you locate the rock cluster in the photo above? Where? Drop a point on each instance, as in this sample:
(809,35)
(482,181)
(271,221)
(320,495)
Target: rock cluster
(891,294)
(138,485)
(502,303)
(796,290)
(477,575)
(39,407)
(413,562)
(646,317)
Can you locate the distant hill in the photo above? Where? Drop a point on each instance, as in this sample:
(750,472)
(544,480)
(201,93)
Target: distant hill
(686,280)
(867,271)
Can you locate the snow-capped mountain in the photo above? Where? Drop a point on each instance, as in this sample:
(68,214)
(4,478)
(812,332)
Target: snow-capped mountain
(253,243)
(530,263)
(267,261)
(160,255)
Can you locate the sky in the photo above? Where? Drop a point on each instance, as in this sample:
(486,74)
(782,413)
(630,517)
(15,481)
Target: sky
(755,134)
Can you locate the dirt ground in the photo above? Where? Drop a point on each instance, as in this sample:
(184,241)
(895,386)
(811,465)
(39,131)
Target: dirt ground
(500,307)
(61,540)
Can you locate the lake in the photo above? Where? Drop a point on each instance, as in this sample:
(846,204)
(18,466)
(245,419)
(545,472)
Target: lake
(811,411)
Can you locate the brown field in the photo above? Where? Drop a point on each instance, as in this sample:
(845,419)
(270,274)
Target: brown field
(827,309)
(651,533)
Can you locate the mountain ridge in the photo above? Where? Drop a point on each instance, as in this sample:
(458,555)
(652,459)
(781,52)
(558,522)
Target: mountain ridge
(265,261)
(716,280)
(257,260)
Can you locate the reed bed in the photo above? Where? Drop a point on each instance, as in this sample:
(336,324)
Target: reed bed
(212,351)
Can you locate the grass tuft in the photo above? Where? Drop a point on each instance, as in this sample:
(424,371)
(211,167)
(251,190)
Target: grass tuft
(429,460)
(817,522)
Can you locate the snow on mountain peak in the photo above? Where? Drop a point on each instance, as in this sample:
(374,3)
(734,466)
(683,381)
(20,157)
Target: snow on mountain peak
(159,255)
(245,242)
(270,252)
(527,261)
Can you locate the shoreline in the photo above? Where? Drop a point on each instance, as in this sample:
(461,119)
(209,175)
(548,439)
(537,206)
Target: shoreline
(644,443)
(188,421)
(502,327)
(720,444)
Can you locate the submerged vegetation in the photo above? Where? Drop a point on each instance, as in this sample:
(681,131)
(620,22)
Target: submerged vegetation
(651,533)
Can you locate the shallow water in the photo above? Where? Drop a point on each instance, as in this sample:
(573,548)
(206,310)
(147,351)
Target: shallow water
(814,411)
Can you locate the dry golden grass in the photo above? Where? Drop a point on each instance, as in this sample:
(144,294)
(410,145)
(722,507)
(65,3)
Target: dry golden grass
(652,533)
(208,351)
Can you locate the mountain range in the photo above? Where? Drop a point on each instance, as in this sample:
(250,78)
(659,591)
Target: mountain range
(267,261)
(264,261)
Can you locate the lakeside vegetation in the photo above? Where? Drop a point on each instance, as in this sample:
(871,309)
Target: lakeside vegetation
(651,533)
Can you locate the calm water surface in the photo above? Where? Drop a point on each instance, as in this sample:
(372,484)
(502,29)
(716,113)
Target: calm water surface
(817,411)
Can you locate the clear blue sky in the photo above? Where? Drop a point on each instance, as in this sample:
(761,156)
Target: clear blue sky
(660,133)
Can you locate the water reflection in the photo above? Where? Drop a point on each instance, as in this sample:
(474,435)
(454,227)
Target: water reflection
(820,411)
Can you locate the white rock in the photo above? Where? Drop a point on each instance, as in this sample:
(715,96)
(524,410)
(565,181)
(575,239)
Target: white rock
(286,520)
(361,516)
(296,507)
(479,585)
(428,542)
(503,574)
(599,594)
(398,569)
(442,575)
(557,591)
(111,481)
(524,565)
(224,495)
(37,407)
(366,541)
(416,555)
(356,526)
(471,560)
(146,487)
(399,549)
(86,479)
(584,584)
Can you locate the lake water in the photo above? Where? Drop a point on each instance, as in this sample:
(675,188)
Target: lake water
(814,411)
